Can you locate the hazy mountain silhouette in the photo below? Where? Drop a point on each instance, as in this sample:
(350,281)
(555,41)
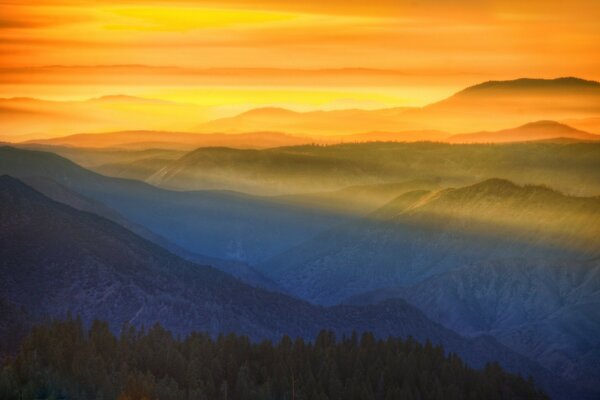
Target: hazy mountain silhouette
(540,130)
(494,105)
(489,105)
(314,123)
(174,140)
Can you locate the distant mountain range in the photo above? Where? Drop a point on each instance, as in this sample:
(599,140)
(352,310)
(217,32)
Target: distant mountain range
(495,105)
(541,130)
(490,105)
(303,169)
(174,140)
(140,140)
(57,260)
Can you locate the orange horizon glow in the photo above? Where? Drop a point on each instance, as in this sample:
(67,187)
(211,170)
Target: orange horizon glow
(224,58)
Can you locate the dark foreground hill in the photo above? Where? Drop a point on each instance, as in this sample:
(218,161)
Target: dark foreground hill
(153,364)
(56,260)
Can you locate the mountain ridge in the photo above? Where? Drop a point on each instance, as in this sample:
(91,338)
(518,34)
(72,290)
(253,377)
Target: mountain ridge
(532,131)
(528,83)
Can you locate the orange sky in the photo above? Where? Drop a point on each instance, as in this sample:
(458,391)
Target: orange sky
(229,56)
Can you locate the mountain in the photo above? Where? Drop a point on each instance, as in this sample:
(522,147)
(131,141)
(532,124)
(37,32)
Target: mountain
(490,105)
(174,140)
(270,171)
(61,194)
(500,104)
(312,123)
(180,141)
(541,130)
(56,260)
(421,234)
(216,224)
(565,85)
(545,309)
(309,169)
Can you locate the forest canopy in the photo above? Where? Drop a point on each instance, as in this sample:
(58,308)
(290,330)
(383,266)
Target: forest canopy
(65,360)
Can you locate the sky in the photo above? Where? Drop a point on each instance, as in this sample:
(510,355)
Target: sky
(231,56)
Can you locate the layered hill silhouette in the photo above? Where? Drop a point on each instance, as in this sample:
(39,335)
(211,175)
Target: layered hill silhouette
(490,105)
(494,105)
(304,169)
(541,130)
(180,141)
(174,140)
(315,123)
(97,269)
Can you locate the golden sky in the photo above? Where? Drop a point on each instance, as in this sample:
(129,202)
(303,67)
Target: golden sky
(229,56)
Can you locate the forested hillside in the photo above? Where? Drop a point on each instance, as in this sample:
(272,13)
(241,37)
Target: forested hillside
(63,360)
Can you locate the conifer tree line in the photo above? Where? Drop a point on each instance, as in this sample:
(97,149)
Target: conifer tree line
(64,360)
